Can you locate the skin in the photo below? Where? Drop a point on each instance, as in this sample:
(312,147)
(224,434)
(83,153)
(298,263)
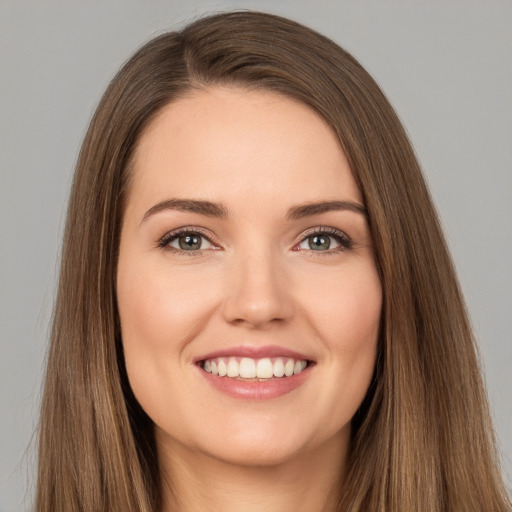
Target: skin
(256,282)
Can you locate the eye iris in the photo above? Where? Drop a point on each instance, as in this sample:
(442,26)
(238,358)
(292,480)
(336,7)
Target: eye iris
(319,242)
(190,242)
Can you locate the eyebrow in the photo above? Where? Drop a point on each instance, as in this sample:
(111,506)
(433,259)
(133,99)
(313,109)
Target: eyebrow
(310,209)
(218,210)
(189,205)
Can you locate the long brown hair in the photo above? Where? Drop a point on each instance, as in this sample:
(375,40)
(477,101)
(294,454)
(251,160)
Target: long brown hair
(422,439)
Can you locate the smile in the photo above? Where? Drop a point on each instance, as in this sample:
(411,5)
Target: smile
(247,368)
(255,373)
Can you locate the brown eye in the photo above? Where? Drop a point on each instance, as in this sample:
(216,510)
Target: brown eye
(319,242)
(187,241)
(327,240)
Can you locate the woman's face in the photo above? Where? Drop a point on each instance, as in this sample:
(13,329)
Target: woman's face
(247,288)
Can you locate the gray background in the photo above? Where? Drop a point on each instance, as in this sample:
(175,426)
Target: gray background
(446,67)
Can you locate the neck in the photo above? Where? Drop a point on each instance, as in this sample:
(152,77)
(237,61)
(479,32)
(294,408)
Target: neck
(309,482)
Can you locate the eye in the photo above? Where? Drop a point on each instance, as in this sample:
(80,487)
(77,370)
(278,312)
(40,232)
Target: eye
(186,241)
(325,240)
(189,242)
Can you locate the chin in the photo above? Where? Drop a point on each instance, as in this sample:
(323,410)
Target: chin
(264,454)
(269,447)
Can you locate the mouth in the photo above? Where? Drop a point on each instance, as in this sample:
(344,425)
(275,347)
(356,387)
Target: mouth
(255,373)
(254,369)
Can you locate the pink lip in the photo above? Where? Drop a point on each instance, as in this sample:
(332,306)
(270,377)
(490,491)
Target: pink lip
(256,390)
(254,353)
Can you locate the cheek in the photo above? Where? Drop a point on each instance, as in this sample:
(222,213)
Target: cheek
(345,308)
(160,312)
(355,329)
(346,321)
(158,306)
(359,313)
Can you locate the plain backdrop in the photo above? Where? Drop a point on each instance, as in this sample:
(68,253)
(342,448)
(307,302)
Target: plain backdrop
(446,67)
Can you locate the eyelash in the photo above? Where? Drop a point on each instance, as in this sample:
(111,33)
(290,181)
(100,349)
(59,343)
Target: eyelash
(340,237)
(173,235)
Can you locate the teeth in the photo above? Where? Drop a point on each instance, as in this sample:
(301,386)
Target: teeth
(298,367)
(278,368)
(288,367)
(248,368)
(233,368)
(264,369)
(223,369)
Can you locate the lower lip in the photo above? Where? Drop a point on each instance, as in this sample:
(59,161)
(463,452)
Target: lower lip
(256,390)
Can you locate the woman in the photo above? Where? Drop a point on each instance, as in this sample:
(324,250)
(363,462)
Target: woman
(256,308)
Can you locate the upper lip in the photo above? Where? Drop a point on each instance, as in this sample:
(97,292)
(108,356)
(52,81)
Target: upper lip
(254,352)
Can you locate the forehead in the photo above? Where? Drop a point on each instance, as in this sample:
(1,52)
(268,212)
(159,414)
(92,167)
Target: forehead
(229,144)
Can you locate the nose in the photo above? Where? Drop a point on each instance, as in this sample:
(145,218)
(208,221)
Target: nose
(257,292)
